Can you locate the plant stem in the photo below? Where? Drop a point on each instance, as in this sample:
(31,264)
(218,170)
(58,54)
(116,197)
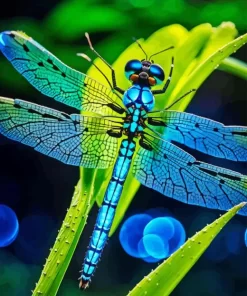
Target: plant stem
(235,67)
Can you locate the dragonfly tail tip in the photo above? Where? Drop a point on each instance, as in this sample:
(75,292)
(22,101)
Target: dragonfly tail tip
(83,284)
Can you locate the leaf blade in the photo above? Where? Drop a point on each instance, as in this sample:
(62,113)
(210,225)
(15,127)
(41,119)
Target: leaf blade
(204,69)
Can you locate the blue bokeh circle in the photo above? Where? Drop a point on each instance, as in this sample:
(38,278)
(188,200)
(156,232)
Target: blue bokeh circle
(131,233)
(9,226)
(151,239)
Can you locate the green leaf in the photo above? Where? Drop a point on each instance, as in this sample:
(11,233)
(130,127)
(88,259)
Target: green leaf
(223,34)
(67,239)
(185,54)
(165,277)
(219,37)
(204,69)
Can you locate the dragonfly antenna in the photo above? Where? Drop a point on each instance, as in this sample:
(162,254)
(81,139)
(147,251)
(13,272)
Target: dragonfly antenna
(86,57)
(171,47)
(140,47)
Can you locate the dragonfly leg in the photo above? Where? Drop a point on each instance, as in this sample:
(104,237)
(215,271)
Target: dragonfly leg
(114,81)
(144,144)
(180,98)
(163,90)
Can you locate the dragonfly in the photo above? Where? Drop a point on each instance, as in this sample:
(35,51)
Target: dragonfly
(113,121)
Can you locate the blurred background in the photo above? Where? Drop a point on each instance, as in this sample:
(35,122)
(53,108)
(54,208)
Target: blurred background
(38,189)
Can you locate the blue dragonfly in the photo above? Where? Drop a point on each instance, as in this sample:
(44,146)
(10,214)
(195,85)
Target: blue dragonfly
(108,135)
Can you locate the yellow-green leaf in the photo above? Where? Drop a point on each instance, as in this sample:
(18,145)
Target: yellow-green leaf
(204,69)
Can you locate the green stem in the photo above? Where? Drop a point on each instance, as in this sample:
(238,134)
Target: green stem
(235,67)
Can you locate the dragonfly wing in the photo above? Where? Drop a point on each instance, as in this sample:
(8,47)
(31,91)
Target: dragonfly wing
(73,139)
(205,135)
(176,174)
(55,79)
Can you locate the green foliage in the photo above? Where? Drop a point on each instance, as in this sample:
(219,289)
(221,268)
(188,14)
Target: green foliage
(98,19)
(204,66)
(163,280)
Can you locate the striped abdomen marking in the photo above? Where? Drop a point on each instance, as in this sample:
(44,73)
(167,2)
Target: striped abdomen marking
(107,211)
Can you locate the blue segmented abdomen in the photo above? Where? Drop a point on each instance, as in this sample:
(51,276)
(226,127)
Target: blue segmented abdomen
(107,211)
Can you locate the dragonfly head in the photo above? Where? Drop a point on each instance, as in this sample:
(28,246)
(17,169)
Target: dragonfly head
(144,72)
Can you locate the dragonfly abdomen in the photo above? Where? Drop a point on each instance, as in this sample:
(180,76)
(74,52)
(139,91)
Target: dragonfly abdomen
(107,211)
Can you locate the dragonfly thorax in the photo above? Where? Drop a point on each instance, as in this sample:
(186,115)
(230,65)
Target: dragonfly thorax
(139,96)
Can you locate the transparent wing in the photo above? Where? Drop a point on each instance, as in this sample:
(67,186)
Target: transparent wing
(55,79)
(73,139)
(176,174)
(205,135)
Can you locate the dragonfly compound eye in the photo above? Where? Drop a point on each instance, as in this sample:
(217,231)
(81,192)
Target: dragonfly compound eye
(132,67)
(157,73)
